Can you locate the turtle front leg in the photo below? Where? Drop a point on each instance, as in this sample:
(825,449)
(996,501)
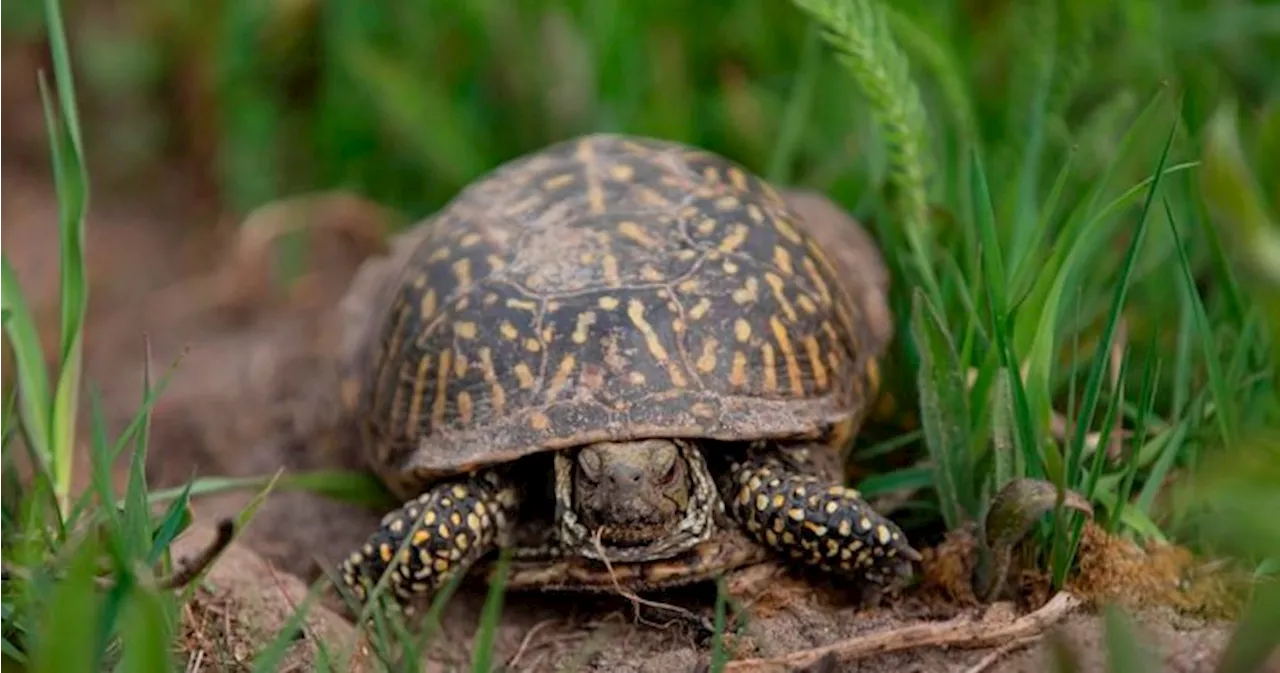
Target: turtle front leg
(449,527)
(816,521)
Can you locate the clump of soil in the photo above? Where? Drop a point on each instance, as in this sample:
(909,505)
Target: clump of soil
(1114,569)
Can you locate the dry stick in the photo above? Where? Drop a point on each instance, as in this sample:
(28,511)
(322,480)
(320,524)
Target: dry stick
(990,660)
(189,569)
(636,600)
(959,632)
(524,643)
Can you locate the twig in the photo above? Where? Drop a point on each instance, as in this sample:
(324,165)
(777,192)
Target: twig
(990,660)
(959,632)
(190,569)
(637,601)
(524,643)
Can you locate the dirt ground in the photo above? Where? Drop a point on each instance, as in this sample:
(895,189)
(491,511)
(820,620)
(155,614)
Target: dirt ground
(253,394)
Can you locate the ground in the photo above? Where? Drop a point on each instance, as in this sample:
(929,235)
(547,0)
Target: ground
(239,404)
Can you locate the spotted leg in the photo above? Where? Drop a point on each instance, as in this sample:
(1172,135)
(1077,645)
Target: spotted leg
(449,528)
(816,521)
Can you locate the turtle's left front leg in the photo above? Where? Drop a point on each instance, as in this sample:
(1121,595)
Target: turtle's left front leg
(814,520)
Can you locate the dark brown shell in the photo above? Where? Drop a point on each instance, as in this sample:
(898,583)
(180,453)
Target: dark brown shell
(609,288)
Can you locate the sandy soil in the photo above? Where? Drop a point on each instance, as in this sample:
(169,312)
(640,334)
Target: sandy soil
(255,392)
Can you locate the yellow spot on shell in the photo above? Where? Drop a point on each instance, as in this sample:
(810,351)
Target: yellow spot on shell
(439,254)
(728,203)
(469,240)
(524,375)
(523,305)
(779,500)
(707,361)
(427,307)
(796,514)
(788,355)
(595,192)
(442,380)
(700,309)
(742,330)
(735,239)
(508,330)
(632,231)
(495,262)
(420,538)
(636,378)
(635,311)
(738,376)
(807,304)
(762,502)
(608,303)
(770,368)
(561,377)
(582,330)
(462,271)
(816,278)
(873,375)
(788,232)
(558,181)
(465,407)
(609,266)
(748,293)
(466,330)
(782,260)
(845,528)
(419,390)
(497,397)
(706,226)
(385,552)
(780,295)
(532,345)
(622,172)
(738,179)
(815,362)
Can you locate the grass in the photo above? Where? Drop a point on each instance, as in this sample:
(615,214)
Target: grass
(1079,203)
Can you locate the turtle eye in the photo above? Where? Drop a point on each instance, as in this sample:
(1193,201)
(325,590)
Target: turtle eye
(669,474)
(591,463)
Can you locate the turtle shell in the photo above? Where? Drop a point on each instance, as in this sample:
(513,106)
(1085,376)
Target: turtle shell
(609,288)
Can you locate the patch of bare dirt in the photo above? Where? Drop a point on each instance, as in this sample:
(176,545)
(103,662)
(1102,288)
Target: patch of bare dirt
(258,390)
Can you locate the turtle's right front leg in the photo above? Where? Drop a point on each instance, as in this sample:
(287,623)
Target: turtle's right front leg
(457,521)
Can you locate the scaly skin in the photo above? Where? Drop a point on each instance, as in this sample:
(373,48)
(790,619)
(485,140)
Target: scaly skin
(818,522)
(459,522)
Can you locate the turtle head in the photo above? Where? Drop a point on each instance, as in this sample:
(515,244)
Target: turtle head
(644,499)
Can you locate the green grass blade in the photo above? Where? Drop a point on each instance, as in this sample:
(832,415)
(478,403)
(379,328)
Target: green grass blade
(1224,406)
(33,378)
(491,615)
(943,412)
(70,620)
(147,634)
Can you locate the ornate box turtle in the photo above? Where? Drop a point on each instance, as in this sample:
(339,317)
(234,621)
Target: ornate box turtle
(618,349)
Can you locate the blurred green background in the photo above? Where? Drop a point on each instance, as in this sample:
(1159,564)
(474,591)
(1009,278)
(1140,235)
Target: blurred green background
(405,102)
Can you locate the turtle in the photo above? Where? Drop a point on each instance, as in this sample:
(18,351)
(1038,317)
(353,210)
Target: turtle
(624,360)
